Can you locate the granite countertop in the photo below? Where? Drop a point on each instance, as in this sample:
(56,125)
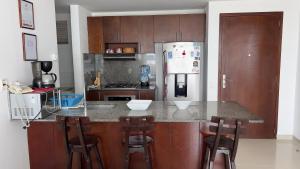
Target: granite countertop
(107,111)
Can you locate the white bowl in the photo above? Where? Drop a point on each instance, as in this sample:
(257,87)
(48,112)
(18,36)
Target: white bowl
(182,105)
(139,104)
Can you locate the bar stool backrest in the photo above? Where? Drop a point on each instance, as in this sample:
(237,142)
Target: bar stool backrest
(137,123)
(76,123)
(227,127)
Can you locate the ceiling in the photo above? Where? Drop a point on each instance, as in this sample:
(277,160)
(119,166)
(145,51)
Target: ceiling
(130,5)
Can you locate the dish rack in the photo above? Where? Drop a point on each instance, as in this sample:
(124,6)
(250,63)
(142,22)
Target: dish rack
(69,100)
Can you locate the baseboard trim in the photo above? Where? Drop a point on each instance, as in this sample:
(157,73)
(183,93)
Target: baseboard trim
(296,139)
(285,137)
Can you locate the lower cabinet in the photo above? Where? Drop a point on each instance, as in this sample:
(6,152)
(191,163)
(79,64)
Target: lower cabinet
(175,146)
(101,95)
(147,94)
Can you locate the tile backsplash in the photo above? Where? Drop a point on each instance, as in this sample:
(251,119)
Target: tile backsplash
(114,71)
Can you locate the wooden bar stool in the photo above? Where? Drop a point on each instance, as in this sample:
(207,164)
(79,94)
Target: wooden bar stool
(136,130)
(224,140)
(81,143)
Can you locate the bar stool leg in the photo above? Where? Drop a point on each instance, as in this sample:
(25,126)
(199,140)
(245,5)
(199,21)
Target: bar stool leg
(98,156)
(147,158)
(206,159)
(126,162)
(233,165)
(211,165)
(70,160)
(227,161)
(87,160)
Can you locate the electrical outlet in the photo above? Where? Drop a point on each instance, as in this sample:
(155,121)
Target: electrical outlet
(3,84)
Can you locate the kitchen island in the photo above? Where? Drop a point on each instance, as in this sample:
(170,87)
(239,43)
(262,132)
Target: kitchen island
(177,137)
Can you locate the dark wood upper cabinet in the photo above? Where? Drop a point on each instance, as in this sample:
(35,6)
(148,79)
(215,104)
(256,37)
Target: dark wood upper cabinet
(95,34)
(146,33)
(192,27)
(112,29)
(144,30)
(130,28)
(166,28)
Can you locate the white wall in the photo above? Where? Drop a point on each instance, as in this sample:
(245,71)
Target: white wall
(79,43)
(66,70)
(288,56)
(13,142)
(297,101)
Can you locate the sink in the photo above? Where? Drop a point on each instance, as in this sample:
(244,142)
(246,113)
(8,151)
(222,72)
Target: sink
(101,106)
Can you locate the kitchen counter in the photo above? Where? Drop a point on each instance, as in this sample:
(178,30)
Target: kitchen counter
(107,111)
(178,134)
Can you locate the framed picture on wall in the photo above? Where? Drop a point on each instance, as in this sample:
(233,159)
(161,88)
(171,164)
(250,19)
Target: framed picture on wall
(26,14)
(29,47)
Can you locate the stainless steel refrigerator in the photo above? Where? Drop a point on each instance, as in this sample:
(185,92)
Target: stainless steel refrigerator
(183,71)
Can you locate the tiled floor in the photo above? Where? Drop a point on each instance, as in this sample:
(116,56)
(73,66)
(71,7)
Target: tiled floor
(268,154)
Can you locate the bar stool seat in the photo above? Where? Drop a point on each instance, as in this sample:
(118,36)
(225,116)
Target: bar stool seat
(90,141)
(225,142)
(137,141)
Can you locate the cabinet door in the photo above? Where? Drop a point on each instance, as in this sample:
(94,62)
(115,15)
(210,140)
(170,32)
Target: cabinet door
(111,29)
(146,32)
(147,95)
(192,27)
(41,146)
(93,95)
(95,34)
(166,28)
(130,28)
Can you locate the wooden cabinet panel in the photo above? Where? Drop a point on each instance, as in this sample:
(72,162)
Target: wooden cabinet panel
(112,29)
(175,146)
(130,28)
(41,145)
(185,145)
(166,28)
(146,33)
(192,27)
(93,95)
(147,95)
(95,34)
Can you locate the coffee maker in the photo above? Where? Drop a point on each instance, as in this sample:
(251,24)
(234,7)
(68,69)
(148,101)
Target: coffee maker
(43,80)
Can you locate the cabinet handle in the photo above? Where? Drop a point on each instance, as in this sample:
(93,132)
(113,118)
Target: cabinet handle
(140,50)
(224,81)
(177,36)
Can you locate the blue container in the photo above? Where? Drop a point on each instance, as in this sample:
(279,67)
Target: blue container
(69,100)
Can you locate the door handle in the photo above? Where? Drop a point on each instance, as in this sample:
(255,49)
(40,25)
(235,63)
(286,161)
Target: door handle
(224,81)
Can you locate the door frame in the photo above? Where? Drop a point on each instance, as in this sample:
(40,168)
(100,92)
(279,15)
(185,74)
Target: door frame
(220,68)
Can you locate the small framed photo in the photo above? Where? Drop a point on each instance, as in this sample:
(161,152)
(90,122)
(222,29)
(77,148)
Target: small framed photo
(26,14)
(29,47)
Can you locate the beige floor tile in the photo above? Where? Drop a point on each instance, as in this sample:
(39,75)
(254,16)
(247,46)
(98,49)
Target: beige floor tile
(268,154)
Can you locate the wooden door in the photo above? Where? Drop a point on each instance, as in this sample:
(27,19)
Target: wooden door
(146,33)
(192,28)
(130,28)
(250,47)
(166,28)
(111,29)
(95,34)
